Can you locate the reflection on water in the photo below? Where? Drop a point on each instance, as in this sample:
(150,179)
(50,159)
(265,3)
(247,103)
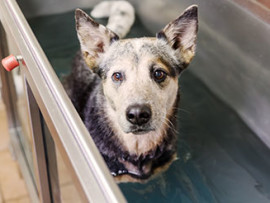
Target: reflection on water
(220,159)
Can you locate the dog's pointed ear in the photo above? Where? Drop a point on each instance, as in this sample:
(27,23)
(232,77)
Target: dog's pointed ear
(94,38)
(181,35)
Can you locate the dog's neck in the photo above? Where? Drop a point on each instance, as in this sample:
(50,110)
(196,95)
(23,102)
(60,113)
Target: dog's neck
(143,152)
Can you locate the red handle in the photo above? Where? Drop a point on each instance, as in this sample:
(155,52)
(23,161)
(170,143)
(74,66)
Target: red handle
(10,62)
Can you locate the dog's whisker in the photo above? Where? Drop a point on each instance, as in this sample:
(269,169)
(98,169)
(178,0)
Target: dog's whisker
(169,124)
(182,110)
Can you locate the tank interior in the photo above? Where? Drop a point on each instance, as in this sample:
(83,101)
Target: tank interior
(223,141)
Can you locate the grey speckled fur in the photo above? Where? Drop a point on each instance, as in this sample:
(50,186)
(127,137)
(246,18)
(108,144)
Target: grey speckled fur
(102,103)
(85,90)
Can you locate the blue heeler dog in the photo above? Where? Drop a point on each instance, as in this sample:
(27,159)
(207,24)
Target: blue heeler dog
(126,92)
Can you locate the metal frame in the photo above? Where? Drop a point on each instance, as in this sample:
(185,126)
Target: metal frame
(10,98)
(78,150)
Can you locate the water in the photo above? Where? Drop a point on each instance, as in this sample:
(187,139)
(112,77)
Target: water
(220,158)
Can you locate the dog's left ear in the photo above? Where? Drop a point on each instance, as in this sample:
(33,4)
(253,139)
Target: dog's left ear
(94,38)
(181,35)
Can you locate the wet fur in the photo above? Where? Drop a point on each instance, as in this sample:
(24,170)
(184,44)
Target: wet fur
(130,157)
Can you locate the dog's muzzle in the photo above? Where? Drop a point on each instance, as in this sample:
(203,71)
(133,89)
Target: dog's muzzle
(138,114)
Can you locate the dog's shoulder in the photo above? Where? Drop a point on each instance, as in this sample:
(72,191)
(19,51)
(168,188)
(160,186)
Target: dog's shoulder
(80,83)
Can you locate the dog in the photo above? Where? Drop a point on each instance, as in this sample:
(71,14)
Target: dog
(126,92)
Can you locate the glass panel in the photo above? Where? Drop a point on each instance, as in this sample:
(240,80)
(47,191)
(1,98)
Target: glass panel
(69,194)
(26,138)
(61,177)
(21,108)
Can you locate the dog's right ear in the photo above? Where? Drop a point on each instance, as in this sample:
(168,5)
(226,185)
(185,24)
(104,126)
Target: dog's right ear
(94,38)
(181,35)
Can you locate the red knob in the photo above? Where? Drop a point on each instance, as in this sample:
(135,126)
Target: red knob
(10,62)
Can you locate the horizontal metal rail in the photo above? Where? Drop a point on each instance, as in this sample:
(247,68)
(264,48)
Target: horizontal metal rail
(69,133)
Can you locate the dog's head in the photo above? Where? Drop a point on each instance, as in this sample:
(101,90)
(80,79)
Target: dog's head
(140,76)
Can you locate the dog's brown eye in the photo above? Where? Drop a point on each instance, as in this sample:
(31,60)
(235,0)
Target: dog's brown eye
(159,75)
(117,77)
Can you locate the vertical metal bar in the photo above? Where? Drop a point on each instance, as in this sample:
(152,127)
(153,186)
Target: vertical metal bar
(44,152)
(51,163)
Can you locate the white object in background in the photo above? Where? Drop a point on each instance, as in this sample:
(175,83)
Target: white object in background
(121,15)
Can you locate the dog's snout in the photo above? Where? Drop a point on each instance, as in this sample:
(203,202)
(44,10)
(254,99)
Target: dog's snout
(138,114)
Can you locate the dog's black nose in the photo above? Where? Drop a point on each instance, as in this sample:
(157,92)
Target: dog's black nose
(138,114)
